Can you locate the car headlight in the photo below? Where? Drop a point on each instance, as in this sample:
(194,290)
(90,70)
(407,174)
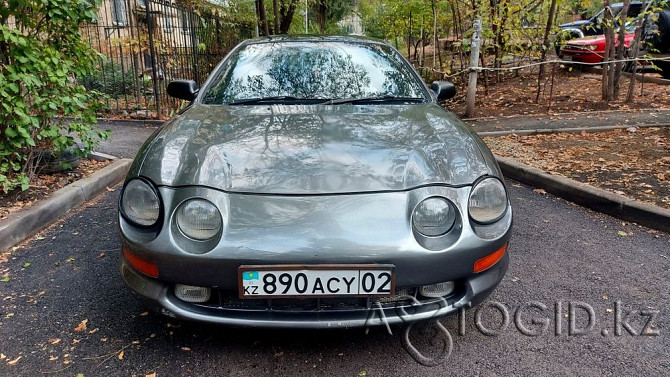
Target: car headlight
(591,47)
(488,201)
(433,217)
(140,203)
(199,219)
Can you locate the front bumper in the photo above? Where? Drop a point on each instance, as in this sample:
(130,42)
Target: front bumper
(582,56)
(471,291)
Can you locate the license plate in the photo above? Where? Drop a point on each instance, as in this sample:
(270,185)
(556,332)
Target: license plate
(567,58)
(316,281)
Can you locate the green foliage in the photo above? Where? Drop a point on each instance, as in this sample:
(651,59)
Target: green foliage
(112,79)
(41,54)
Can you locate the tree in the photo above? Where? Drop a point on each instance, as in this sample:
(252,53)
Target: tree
(42,52)
(545,47)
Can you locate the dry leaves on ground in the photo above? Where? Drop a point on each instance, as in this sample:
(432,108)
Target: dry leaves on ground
(634,164)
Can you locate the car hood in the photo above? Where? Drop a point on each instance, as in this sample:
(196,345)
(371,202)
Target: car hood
(315,149)
(590,40)
(600,39)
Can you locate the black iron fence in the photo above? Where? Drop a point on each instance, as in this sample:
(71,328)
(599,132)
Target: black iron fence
(146,43)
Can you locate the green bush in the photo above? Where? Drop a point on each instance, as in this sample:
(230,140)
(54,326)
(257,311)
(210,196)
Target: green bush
(41,54)
(112,79)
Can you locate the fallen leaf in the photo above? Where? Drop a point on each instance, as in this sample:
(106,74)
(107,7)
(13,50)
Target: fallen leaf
(26,265)
(13,362)
(540,191)
(185,349)
(54,341)
(95,330)
(136,342)
(82,326)
(279,354)
(606,297)
(53,358)
(121,355)
(2,356)
(608,310)
(5,279)
(153,374)
(144,314)
(621,233)
(101,255)
(109,189)
(66,362)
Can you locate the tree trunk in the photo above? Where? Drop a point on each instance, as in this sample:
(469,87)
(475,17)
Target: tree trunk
(437,50)
(636,53)
(262,17)
(608,68)
(620,48)
(286,12)
(275,11)
(409,37)
(321,15)
(545,47)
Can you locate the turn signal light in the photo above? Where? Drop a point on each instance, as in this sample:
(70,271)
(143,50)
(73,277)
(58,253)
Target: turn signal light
(488,261)
(140,264)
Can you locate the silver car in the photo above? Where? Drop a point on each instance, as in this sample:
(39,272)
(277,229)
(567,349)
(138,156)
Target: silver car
(314,182)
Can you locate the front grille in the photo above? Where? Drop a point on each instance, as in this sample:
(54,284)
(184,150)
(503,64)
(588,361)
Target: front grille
(229,300)
(577,47)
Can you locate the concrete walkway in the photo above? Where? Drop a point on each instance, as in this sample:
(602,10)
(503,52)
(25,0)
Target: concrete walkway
(560,121)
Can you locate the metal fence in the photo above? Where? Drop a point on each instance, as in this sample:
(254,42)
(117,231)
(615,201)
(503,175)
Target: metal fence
(146,43)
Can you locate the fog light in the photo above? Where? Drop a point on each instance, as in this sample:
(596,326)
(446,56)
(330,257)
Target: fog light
(190,293)
(437,290)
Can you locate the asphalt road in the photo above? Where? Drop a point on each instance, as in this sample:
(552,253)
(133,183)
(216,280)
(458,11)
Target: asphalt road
(560,252)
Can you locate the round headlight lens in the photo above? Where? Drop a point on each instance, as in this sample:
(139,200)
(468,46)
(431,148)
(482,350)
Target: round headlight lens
(199,219)
(140,204)
(434,217)
(488,201)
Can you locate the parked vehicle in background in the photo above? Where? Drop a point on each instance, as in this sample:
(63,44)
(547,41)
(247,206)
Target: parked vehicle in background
(657,38)
(655,42)
(592,26)
(590,49)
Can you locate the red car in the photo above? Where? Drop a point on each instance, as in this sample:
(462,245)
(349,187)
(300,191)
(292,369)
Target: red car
(590,49)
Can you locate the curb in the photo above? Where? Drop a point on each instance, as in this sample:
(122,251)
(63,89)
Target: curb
(23,224)
(134,122)
(588,196)
(539,131)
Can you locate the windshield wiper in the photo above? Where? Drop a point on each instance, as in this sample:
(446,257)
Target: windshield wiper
(386,98)
(250,101)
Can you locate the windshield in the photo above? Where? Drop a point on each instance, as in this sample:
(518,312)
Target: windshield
(313,71)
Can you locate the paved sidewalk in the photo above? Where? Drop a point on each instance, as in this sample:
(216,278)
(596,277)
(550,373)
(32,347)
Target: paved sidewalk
(591,119)
(126,138)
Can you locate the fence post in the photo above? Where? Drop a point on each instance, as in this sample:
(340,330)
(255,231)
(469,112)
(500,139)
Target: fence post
(474,64)
(153,58)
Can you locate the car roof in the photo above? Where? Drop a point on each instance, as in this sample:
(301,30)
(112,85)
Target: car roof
(314,38)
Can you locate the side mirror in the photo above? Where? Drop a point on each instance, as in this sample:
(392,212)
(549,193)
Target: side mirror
(443,89)
(183,89)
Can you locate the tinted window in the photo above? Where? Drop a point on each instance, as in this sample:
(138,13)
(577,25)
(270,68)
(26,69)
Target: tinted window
(323,70)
